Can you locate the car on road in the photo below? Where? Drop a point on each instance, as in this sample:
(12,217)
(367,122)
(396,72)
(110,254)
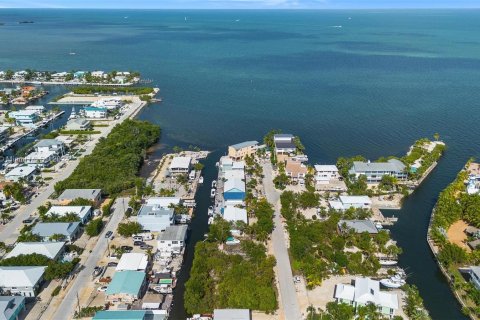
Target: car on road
(112,264)
(108,234)
(27,221)
(146,247)
(138,243)
(128,212)
(102,289)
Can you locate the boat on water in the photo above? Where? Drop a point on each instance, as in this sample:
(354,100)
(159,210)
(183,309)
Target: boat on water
(73,114)
(387,262)
(214,183)
(212,193)
(392,282)
(200,180)
(210,211)
(210,221)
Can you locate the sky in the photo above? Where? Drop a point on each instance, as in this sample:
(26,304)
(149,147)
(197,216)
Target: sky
(240,4)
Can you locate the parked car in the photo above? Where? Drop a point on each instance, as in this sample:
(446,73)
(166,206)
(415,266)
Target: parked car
(108,234)
(112,264)
(26,221)
(102,289)
(128,212)
(126,248)
(138,243)
(146,247)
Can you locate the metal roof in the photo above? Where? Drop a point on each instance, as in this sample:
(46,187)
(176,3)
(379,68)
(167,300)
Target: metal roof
(120,315)
(135,261)
(51,228)
(127,282)
(48,143)
(177,233)
(231,314)
(359,225)
(245,144)
(48,249)
(392,165)
(180,162)
(20,276)
(71,194)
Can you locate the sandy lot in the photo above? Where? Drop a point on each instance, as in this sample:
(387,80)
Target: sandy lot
(457,236)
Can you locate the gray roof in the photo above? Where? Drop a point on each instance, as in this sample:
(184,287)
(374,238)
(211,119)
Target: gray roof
(244,144)
(475,270)
(72,194)
(178,233)
(51,228)
(283,135)
(285,145)
(47,143)
(8,306)
(392,165)
(231,314)
(359,225)
(154,210)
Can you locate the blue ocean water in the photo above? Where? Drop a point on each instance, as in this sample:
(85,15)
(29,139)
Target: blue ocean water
(348,82)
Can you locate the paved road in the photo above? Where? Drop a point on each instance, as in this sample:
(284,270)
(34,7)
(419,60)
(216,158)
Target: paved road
(285,276)
(11,230)
(67,307)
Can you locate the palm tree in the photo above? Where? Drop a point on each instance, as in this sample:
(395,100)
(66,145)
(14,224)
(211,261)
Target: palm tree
(5,217)
(436,136)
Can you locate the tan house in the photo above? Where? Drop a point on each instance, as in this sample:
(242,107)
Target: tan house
(240,150)
(296,170)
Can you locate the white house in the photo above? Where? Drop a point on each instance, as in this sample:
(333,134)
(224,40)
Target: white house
(98,74)
(180,165)
(240,150)
(24,172)
(374,171)
(172,239)
(95,113)
(234,191)
(365,291)
(24,281)
(26,118)
(325,173)
(38,109)
(233,214)
(347,202)
(110,104)
(155,218)
(78,124)
(45,231)
(94,195)
(54,145)
(51,250)
(164,202)
(284,143)
(83,212)
(134,261)
(41,159)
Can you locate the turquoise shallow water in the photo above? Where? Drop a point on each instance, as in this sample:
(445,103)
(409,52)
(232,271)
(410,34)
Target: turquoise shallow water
(371,87)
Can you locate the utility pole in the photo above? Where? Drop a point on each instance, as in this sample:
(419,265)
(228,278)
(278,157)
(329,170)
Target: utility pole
(78,304)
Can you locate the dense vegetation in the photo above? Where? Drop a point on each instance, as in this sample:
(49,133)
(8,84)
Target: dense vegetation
(106,89)
(427,158)
(128,229)
(94,227)
(455,204)
(318,250)
(343,311)
(54,270)
(115,161)
(221,280)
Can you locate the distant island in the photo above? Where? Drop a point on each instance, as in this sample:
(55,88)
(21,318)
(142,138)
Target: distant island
(23,22)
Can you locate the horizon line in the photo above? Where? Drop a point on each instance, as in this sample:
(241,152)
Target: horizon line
(239,9)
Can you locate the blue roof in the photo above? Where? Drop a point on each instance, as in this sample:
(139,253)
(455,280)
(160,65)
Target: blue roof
(120,315)
(128,282)
(95,109)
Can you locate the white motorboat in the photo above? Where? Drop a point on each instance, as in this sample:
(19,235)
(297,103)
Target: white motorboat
(210,211)
(73,115)
(387,262)
(378,225)
(214,183)
(393,282)
(200,180)
(212,193)
(210,221)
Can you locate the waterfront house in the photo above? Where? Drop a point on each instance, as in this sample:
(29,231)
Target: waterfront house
(45,230)
(25,173)
(24,281)
(154,217)
(133,261)
(374,171)
(19,75)
(79,74)
(347,202)
(164,202)
(231,314)
(98,74)
(59,76)
(84,213)
(25,118)
(180,165)
(234,190)
(78,124)
(94,195)
(172,239)
(241,150)
(359,226)
(95,113)
(365,291)
(54,145)
(41,159)
(51,250)
(474,272)
(126,286)
(38,109)
(284,143)
(233,214)
(325,173)
(11,307)
(110,104)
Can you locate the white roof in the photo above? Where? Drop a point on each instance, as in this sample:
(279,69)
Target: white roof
(40,155)
(48,249)
(326,167)
(366,291)
(81,211)
(20,276)
(163,202)
(234,184)
(337,205)
(237,165)
(234,174)
(22,171)
(344,291)
(134,261)
(22,113)
(355,200)
(181,162)
(231,213)
(231,314)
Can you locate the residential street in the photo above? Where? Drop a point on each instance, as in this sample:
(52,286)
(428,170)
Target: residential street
(67,307)
(288,294)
